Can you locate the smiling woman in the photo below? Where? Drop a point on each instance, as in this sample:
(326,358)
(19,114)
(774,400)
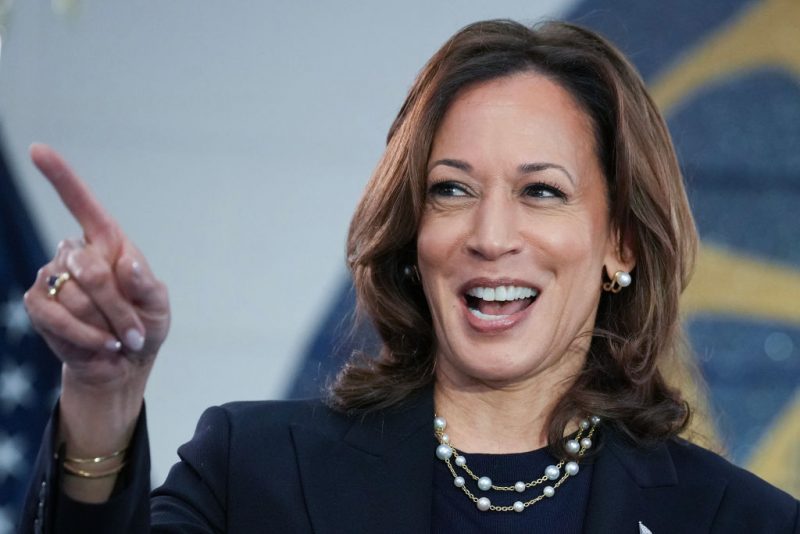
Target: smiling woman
(534,159)
(521,249)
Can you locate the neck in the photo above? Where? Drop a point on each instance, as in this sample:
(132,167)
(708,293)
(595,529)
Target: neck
(489,419)
(493,422)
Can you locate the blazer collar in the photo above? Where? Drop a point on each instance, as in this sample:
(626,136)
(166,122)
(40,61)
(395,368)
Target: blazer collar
(632,485)
(376,476)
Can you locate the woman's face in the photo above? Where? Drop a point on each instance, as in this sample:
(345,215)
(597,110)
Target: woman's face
(515,233)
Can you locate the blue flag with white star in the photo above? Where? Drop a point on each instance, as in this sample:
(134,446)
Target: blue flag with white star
(29,373)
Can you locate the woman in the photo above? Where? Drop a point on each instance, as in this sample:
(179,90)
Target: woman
(520,248)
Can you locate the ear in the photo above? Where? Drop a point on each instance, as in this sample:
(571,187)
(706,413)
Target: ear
(620,255)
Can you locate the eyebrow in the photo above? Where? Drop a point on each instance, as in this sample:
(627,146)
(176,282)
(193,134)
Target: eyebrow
(455,163)
(528,168)
(525,168)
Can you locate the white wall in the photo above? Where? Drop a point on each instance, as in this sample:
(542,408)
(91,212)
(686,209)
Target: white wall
(232,141)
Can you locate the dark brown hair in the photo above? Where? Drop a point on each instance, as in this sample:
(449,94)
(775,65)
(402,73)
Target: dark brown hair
(637,330)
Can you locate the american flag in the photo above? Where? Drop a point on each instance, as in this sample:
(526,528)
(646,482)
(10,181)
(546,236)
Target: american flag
(29,373)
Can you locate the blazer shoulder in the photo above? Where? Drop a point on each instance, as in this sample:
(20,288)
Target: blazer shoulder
(281,415)
(278,409)
(745,493)
(692,461)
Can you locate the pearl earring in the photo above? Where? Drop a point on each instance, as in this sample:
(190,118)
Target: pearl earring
(621,279)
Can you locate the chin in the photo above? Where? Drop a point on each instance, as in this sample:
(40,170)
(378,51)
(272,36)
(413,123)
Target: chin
(494,368)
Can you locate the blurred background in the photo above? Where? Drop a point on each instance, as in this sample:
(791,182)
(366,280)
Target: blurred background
(232,142)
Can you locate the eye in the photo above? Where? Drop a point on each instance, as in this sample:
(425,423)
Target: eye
(447,189)
(544,190)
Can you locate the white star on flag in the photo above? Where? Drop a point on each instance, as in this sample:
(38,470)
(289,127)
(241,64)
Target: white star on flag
(6,523)
(15,318)
(15,386)
(12,455)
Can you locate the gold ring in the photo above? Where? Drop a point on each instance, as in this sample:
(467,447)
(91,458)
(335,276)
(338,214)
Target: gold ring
(54,283)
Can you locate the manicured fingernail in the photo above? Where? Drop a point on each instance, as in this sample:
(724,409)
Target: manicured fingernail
(134,340)
(136,267)
(113,345)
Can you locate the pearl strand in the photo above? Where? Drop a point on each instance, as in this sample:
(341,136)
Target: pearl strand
(576,446)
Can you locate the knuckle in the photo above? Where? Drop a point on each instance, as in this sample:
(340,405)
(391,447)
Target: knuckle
(32,300)
(67,245)
(27,300)
(146,285)
(95,275)
(154,292)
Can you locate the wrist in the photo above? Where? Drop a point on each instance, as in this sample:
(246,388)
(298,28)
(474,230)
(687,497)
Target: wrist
(96,431)
(96,422)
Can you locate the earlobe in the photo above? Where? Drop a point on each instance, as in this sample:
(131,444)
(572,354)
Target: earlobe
(619,263)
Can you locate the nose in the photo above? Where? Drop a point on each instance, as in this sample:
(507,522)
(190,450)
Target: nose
(495,230)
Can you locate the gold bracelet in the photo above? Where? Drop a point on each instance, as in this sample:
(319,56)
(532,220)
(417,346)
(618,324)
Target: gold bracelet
(86,474)
(96,459)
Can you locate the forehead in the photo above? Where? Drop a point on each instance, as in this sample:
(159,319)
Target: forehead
(526,112)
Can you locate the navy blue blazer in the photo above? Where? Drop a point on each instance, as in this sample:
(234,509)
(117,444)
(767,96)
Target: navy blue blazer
(300,467)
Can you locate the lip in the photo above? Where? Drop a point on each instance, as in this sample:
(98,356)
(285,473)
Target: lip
(499,325)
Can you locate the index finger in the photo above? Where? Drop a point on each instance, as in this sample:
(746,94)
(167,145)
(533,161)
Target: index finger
(98,225)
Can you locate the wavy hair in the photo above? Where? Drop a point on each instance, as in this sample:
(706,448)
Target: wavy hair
(637,331)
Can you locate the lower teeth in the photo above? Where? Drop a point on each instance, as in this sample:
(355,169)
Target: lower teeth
(485,316)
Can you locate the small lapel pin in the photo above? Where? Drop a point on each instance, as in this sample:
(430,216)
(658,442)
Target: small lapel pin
(643,529)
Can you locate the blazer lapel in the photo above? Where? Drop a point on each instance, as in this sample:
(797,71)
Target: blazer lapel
(631,485)
(376,477)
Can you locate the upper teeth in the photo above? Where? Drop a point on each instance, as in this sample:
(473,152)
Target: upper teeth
(502,293)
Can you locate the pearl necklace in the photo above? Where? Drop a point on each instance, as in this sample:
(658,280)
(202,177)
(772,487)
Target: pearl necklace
(576,446)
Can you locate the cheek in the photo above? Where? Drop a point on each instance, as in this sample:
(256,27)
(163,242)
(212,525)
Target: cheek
(436,242)
(567,241)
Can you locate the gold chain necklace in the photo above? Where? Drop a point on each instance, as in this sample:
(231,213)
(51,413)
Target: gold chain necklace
(576,446)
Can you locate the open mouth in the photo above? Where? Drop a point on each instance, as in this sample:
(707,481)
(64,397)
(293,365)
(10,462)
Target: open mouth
(497,303)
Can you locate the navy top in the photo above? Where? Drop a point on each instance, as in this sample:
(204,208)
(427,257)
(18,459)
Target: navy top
(453,511)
